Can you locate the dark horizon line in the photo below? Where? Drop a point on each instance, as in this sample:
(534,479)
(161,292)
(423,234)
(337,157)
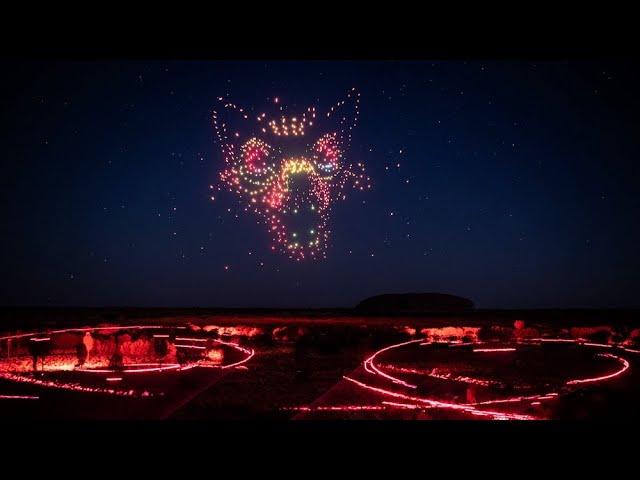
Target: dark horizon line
(304,309)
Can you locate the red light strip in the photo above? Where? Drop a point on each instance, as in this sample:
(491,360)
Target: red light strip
(241,362)
(337,408)
(625,366)
(168,366)
(19,397)
(235,345)
(72,386)
(46,339)
(195,347)
(510,400)
(465,344)
(603,345)
(450,344)
(410,406)
(443,376)
(492,350)
(114,379)
(553,340)
(249,351)
(185,339)
(367,369)
(438,404)
(381,373)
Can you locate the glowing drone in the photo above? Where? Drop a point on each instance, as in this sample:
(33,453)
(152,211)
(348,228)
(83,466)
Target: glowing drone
(290,169)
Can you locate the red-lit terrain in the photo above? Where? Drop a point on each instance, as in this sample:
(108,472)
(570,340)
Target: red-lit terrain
(327,367)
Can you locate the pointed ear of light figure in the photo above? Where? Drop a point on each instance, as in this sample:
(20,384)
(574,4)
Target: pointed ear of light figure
(344,114)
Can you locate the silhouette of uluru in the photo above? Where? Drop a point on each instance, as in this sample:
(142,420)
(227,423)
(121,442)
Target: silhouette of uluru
(414,303)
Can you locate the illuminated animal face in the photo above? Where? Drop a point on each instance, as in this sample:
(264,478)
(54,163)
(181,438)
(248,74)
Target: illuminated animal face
(289,169)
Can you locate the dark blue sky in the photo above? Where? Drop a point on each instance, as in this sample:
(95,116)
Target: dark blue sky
(517,185)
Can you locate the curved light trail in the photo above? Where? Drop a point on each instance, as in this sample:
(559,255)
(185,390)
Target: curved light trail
(125,370)
(371,368)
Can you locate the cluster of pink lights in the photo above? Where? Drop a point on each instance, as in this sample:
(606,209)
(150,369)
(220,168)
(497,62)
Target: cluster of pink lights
(283,180)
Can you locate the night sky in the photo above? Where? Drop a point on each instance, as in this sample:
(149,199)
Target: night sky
(511,183)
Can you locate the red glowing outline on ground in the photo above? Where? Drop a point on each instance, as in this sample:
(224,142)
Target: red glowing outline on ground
(514,399)
(625,367)
(445,405)
(19,397)
(491,350)
(72,386)
(92,329)
(372,369)
(429,373)
(603,345)
(129,393)
(162,368)
(249,351)
(336,408)
(409,406)
(370,360)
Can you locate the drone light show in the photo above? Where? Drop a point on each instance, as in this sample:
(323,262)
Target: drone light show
(290,169)
(288,240)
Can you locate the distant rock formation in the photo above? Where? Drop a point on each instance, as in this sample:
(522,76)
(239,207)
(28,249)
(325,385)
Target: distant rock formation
(414,303)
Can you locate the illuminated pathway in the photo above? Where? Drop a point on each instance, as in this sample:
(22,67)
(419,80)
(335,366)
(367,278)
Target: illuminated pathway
(182,372)
(192,363)
(391,386)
